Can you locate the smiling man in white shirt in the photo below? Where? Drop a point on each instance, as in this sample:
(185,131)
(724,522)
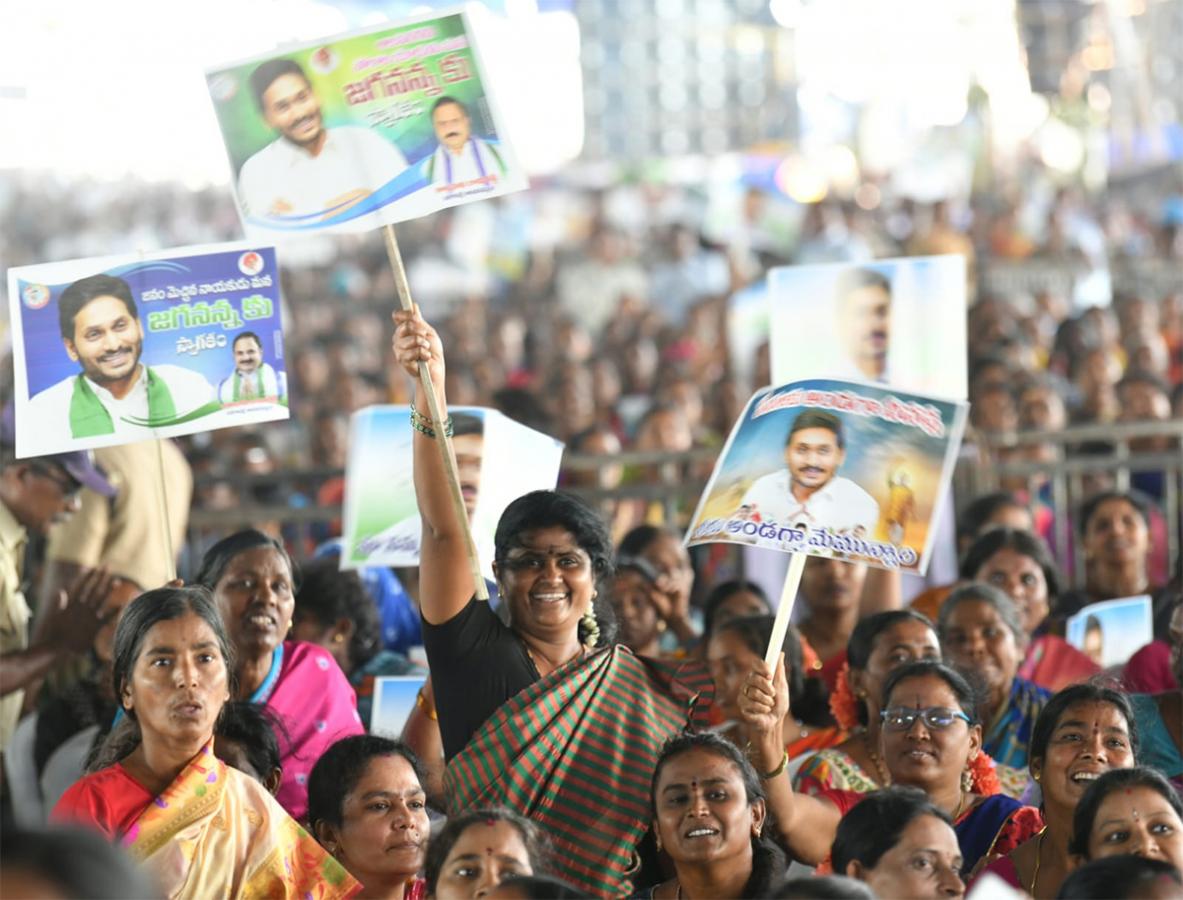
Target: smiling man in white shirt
(808,491)
(114,394)
(310,170)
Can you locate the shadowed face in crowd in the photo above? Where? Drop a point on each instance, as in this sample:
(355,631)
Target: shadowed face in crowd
(730,660)
(635,612)
(737,605)
(483,856)
(1022,579)
(904,642)
(1116,534)
(830,584)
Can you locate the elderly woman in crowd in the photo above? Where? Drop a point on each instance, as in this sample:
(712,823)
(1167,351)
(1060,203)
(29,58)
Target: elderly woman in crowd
(1115,539)
(879,645)
(479,849)
(638,604)
(526,709)
(831,592)
(899,843)
(250,576)
(733,648)
(202,828)
(982,633)
(1084,731)
(709,817)
(1129,811)
(931,739)
(367,807)
(334,611)
(662,548)
(1018,563)
(732,600)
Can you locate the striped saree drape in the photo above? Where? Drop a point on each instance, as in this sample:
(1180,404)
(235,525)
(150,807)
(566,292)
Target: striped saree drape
(575,752)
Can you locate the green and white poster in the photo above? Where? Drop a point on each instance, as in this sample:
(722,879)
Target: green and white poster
(357,130)
(498,461)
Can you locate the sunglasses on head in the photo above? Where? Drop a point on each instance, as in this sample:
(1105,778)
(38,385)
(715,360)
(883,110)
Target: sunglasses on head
(902,718)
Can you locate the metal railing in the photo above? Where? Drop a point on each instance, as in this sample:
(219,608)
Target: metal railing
(675,481)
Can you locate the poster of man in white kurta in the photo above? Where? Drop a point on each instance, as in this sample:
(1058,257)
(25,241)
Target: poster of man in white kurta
(809,491)
(821,466)
(462,162)
(119,349)
(114,393)
(309,169)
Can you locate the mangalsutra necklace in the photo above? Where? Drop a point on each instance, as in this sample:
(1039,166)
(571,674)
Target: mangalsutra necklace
(1038,854)
(880,768)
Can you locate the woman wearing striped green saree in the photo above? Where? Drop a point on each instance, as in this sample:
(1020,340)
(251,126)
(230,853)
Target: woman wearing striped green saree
(546,715)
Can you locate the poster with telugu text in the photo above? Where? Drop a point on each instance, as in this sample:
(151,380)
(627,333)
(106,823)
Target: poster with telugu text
(120,349)
(357,130)
(898,322)
(498,460)
(834,468)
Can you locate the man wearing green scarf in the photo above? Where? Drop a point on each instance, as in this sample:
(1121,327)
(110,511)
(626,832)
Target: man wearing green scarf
(252,379)
(115,394)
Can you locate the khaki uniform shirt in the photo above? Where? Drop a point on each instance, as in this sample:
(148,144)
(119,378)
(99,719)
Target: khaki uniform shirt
(128,533)
(14,613)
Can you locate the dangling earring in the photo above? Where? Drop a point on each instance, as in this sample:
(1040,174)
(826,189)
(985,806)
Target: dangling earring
(967,781)
(590,628)
(657,840)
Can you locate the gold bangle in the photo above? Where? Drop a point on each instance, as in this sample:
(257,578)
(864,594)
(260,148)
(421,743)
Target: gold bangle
(434,715)
(784,761)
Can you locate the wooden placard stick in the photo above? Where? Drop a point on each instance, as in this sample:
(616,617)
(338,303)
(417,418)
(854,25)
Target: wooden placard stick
(784,612)
(442,441)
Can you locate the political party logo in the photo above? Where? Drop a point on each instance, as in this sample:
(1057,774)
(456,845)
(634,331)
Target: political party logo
(223,87)
(35,296)
(323,61)
(250,263)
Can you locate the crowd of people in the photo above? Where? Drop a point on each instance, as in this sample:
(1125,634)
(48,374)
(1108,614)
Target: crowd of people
(607,724)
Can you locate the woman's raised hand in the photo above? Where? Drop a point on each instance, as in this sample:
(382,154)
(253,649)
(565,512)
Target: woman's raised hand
(415,341)
(764,699)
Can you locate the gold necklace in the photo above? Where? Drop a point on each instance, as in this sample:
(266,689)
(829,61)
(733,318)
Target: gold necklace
(1038,854)
(960,804)
(880,768)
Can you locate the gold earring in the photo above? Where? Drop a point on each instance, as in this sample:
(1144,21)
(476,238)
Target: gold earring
(967,781)
(338,638)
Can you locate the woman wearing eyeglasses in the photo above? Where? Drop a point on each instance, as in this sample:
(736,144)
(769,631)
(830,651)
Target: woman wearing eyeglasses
(930,739)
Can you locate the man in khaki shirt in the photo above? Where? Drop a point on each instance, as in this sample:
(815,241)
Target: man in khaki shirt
(34,493)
